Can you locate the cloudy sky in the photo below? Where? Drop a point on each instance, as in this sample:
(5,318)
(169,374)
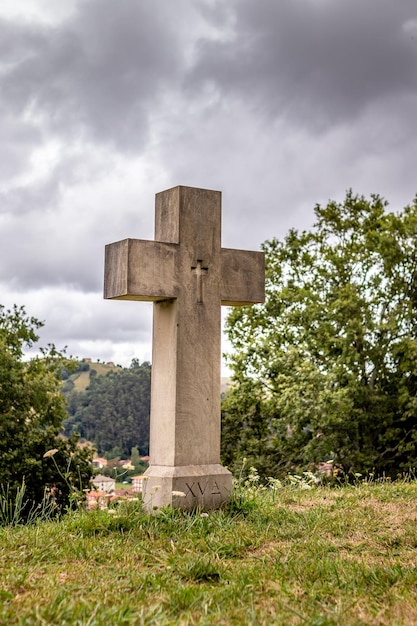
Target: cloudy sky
(279,104)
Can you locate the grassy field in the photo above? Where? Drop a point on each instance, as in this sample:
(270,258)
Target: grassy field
(288,555)
(81,380)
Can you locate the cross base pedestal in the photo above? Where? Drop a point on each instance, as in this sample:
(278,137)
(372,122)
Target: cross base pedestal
(186,487)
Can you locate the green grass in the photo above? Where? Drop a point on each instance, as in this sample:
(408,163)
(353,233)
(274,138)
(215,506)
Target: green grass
(319,557)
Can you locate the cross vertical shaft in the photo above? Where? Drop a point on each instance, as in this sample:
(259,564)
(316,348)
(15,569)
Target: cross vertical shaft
(186,335)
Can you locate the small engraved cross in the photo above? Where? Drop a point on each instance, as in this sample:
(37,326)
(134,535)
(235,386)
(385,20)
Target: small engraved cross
(199,271)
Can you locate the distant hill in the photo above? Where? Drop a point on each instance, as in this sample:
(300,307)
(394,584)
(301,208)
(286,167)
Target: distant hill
(81,378)
(109,405)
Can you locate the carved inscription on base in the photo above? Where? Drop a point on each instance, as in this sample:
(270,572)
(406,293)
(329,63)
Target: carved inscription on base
(198,488)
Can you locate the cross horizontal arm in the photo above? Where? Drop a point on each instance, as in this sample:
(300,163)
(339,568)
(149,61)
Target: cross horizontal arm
(242,277)
(136,269)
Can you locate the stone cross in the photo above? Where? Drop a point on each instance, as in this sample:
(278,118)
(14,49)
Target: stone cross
(187,275)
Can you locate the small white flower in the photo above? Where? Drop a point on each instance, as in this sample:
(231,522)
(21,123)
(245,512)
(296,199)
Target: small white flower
(180,494)
(50,453)
(204,514)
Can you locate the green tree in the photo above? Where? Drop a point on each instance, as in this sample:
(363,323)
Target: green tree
(134,456)
(32,410)
(326,369)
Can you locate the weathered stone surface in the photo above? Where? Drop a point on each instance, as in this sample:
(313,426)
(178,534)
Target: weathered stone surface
(187,275)
(188,487)
(240,277)
(140,270)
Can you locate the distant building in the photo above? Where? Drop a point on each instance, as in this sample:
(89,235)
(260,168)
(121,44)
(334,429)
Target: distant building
(99,462)
(97,499)
(102,499)
(137,483)
(104,483)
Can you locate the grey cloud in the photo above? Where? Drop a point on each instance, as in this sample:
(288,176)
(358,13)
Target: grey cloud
(15,136)
(80,319)
(32,266)
(54,231)
(313,62)
(55,253)
(42,194)
(95,76)
(87,324)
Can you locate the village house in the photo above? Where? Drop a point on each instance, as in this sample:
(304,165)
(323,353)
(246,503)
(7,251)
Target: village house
(104,483)
(97,499)
(99,462)
(137,483)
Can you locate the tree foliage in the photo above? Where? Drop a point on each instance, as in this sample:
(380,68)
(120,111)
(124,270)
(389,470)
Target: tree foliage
(114,410)
(326,369)
(32,411)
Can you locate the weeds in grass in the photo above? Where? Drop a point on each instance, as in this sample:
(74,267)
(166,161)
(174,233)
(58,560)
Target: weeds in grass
(17,510)
(76,495)
(201,569)
(248,488)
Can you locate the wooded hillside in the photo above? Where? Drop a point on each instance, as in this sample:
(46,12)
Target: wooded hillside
(109,406)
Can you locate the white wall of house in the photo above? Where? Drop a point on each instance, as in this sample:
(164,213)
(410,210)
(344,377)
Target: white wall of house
(104,483)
